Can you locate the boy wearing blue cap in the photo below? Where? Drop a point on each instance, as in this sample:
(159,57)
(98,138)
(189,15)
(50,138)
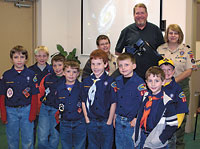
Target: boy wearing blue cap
(130,90)
(48,136)
(174,90)
(19,100)
(99,102)
(157,120)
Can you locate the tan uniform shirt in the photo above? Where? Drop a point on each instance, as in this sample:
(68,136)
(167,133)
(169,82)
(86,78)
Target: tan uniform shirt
(112,63)
(182,57)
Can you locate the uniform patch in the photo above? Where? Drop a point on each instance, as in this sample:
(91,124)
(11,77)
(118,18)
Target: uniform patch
(79,110)
(28,78)
(79,104)
(47,91)
(182,96)
(141,87)
(191,56)
(182,52)
(87,86)
(142,92)
(9,92)
(114,86)
(35,79)
(69,89)
(172,95)
(192,61)
(105,83)
(190,52)
(26,92)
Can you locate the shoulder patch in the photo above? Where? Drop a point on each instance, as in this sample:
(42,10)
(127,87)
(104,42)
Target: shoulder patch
(190,52)
(114,86)
(142,87)
(182,96)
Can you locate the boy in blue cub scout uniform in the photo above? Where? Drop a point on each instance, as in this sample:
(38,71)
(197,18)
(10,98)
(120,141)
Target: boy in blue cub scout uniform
(130,89)
(99,103)
(174,90)
(72,122)
(19,100)
(41,69)
(48,136)
(157,120)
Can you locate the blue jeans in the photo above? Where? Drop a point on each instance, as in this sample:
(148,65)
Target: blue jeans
(100,135)
(18,120)
(73,134)
(123,133)
(48,136)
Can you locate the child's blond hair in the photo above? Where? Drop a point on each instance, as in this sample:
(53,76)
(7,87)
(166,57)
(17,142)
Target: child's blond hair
(41,48)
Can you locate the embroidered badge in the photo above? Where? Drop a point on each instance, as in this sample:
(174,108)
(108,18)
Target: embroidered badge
(114,86)
(190,52)
(28,78)
(69,89)
(105,83)
(182,53)
(142,92)
(182,96)
(47,91)
(172,95)
(9,92)
(191,56)
(141,87)
(79,110)
(26,92)
(35,79)
(61,107)
(79,104)
(192,61)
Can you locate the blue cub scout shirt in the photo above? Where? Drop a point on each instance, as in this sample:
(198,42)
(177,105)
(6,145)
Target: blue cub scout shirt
(174,91)
(129,96)
(40,74)
(104,96)
(18,88)
(51,82)
(69,102)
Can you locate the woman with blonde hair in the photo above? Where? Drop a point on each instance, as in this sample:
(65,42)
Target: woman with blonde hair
(184,62)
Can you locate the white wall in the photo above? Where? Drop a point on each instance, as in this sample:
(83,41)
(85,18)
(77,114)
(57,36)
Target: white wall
(52,23)
(174,12)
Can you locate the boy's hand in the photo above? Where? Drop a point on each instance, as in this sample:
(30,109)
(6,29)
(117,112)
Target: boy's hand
(109,123)
(87,120)
(133,122)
